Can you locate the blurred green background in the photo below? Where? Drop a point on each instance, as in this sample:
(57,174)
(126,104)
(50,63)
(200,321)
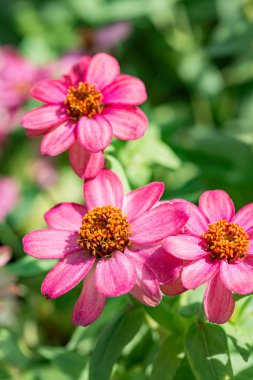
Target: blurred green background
(196,60)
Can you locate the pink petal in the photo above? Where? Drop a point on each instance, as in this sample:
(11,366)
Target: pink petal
(9,196)
(36,132)
(196,273)
(197,223)
(115,275)
(50,244)
(104,190)
(237,276)
(174,288)
(44,117)
(216,205)
(66,274)
(84,163)
(128,123)
(66,216)
(94,134)
(244,217)
(219,303)
(158,223)
(49,91)
(125,90)
(90,303)
(185,247)
(138,201)
(146,289)
(59,139)
(103,70)
(5,255)
(78,71)
(166,267)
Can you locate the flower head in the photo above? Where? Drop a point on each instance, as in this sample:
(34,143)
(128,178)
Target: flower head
(85,109)
(217,249)
(112,244)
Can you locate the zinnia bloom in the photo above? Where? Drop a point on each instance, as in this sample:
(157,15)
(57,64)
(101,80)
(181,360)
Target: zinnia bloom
(216,246)
(9,196)
(109,244)
(85,109)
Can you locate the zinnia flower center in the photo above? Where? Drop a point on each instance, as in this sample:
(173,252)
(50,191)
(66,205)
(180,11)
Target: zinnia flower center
(226,240)
(83,100)
(104,230)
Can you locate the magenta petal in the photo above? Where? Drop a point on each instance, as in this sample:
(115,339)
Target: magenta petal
(94,134)
(174,288)
(158,223)
(78,71)
(59,139)
(103,70)
(237,276)
(49,91)
(66,216)
(217,205)
(44,117)
(244,217)
(197,222)
(125,90)
(115,275)
(84,163)
(66,274)
(104,190)
(128,123)
(36,132)
(50,244)
(138,201)
(196,273)
(90,303)
(146,288)
(166,267)
(184,247)
(219,303)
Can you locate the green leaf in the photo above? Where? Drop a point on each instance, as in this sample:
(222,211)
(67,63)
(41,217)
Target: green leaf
(207,352)
(116,166)
(168,359)
(111,342)
(29,266)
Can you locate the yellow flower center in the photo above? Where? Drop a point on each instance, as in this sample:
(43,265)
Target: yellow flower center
(226,240)
(104,230)
(84,100)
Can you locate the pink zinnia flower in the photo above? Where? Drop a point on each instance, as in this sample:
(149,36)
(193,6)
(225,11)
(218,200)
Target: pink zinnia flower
(17,76)
(9,196)
(109,244)
(85,109)
(216,246)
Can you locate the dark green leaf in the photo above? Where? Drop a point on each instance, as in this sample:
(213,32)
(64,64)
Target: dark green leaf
(169,358)
(207,352)
(111,342)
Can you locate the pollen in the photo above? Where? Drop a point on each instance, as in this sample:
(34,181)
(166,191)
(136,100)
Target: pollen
(83,100)
(103,231)
(226,240)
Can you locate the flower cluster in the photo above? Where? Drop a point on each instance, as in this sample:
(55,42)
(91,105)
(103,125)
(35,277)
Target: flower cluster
(116,244)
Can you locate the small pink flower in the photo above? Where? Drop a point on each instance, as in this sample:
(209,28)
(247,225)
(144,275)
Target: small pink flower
(5,255)
(85,109)
(9,196)
(17,76)
(111,244)
(217,249)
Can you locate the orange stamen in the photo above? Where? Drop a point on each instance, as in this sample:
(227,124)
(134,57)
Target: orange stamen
(104,230)
(226,240)
(83,100)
